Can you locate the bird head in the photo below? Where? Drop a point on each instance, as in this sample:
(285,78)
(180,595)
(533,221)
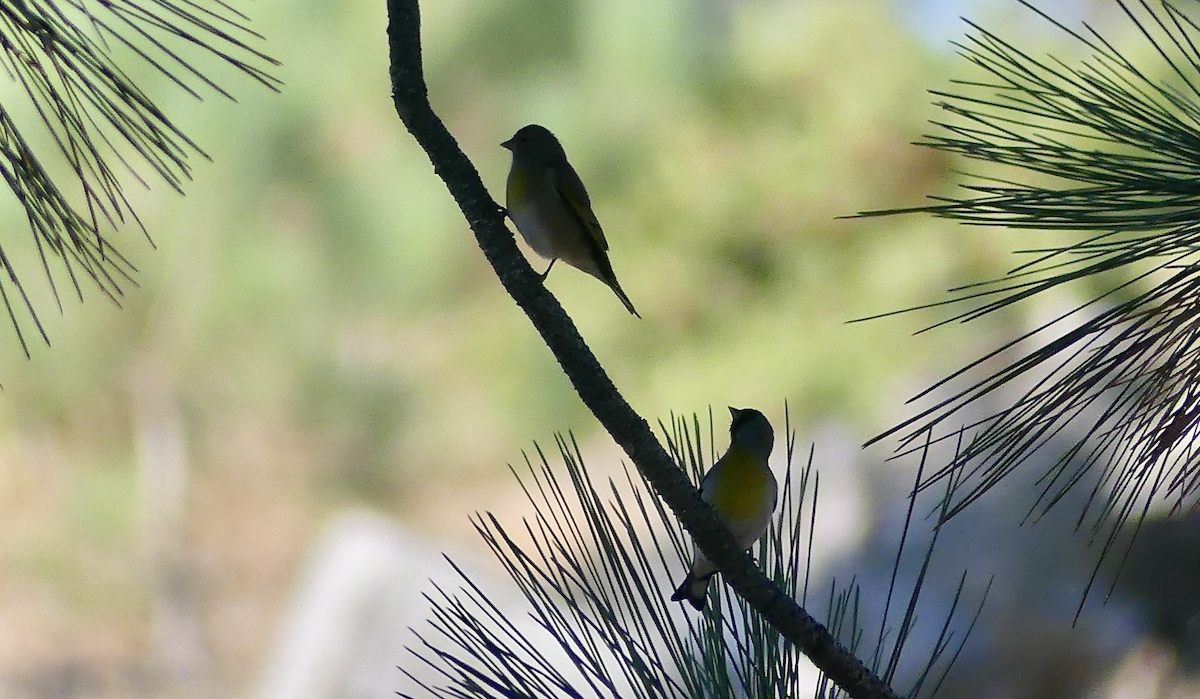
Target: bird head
(752,430)
(534,145)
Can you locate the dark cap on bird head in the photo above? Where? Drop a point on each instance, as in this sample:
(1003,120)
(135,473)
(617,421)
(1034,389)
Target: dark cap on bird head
(535,135)
(741,416)
(752,428)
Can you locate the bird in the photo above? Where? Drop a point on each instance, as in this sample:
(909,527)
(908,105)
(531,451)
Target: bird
(547,201)
(742,489)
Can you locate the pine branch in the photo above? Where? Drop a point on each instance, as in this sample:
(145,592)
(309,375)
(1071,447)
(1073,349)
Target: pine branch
(1106,154)
(103,127)
(629,430)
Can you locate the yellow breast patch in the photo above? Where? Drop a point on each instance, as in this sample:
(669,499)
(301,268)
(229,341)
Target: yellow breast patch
(739,485)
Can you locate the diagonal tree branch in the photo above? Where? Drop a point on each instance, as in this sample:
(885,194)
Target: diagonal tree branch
(630,431)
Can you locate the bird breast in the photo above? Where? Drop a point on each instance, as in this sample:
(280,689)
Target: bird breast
(743,491)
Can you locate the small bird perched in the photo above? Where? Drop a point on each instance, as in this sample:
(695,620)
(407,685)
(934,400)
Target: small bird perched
(547,202)
(742,489)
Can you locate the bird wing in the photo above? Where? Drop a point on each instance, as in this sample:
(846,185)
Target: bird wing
(570,187)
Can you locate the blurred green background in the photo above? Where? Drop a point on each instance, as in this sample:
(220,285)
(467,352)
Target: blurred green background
(316,329)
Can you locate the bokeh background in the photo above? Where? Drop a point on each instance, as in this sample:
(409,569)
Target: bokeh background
(314,331)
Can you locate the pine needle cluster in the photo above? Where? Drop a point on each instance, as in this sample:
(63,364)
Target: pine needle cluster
(1102,153)
(597,579)
(61,55)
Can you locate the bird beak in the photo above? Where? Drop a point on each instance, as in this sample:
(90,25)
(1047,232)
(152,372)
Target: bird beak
(507,144)
(733,412)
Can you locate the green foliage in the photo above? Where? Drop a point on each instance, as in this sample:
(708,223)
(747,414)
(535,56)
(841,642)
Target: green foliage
(318,247)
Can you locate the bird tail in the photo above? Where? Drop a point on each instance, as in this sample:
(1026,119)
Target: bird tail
(621,295)
(694,590)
